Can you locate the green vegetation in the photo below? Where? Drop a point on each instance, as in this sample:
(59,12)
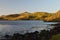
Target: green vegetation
(55,37)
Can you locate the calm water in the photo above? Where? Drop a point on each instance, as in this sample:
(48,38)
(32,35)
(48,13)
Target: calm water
(10,27)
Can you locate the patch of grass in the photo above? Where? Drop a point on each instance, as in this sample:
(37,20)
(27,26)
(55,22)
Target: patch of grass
(55,37)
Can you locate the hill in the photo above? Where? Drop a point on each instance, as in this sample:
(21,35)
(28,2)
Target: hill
(33,16)
(25,16)
(55,17)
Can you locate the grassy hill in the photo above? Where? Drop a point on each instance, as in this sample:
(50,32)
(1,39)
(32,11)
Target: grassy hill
(54,17)
(25,16)
(33,16)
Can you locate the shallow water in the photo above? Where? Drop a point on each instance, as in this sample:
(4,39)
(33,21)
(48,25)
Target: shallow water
(10,27)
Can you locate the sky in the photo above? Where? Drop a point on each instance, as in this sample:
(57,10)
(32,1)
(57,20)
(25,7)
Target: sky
(19,6)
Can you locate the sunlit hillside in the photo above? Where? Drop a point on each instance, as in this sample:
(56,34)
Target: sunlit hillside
(33,16)
(54,17)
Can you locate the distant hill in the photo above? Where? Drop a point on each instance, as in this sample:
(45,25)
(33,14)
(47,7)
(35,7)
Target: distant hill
(33,16)
(55,17)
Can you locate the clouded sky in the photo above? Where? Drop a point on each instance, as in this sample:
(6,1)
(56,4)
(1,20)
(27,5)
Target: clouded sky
(17,6)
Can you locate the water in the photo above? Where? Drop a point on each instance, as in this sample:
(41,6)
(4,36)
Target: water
(10,27)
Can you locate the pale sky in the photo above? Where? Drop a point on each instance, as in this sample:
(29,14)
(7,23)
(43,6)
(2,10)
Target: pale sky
(18,6)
